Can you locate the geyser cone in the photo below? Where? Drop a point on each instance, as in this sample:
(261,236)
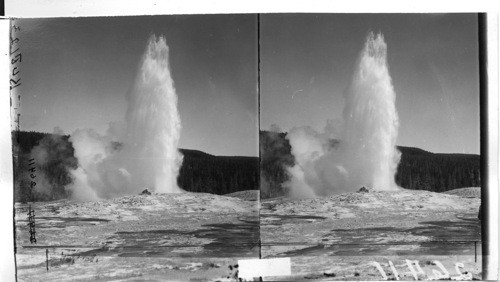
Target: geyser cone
(371,120)
(153,121)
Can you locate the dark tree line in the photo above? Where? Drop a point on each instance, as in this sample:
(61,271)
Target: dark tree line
(26,140)
(200,172)
(422,170)
(275,155)
(46,178)
(417,170)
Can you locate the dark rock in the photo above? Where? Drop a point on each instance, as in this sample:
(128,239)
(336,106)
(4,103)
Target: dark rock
(145,192)
(329,274)
(365,190)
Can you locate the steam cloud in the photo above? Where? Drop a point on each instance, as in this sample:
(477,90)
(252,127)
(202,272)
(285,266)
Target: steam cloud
(361,151)
(275,155)
(54,158)
(141,151)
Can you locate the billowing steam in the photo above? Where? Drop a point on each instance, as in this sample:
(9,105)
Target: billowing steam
(275,155)
(140,152)
(362,152)
(52,159)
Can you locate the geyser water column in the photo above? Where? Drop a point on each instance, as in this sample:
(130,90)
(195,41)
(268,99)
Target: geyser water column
(366,153)
(371,121)
(153,121)
(140,152)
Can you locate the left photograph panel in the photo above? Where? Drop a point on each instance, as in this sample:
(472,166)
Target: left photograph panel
(135,147)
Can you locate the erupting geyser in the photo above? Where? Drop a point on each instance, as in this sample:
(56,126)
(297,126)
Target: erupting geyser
(365,154)
(371,120)
(153,120)
(140,152)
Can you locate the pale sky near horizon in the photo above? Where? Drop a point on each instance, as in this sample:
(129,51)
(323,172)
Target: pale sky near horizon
(307,62)
(76,72)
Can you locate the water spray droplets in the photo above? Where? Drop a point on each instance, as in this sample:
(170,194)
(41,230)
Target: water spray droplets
(148,138)
(367,154)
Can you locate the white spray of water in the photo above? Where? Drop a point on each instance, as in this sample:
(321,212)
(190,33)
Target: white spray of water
(366,153)
(141,152)
(153,121)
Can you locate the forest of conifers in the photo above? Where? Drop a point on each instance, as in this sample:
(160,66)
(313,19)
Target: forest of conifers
(202,172)
(417,170)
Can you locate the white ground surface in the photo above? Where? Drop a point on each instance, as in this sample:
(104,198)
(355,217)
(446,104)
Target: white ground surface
(141,237)
(196,237)
(469,192)
(340,237)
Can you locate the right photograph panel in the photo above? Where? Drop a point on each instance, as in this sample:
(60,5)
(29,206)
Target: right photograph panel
(370,145)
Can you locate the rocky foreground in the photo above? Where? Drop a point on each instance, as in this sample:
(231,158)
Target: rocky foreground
(344,237)
(189,236)
(200,237)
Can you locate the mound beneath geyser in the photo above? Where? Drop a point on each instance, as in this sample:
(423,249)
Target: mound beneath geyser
(343,234)
(66,222)
(248,195)
(469,192)
(146,204)
(378,216)
(362,204)
(138,237)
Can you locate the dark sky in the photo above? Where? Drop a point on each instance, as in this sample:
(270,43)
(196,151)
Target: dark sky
(307,61)
(76,73)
